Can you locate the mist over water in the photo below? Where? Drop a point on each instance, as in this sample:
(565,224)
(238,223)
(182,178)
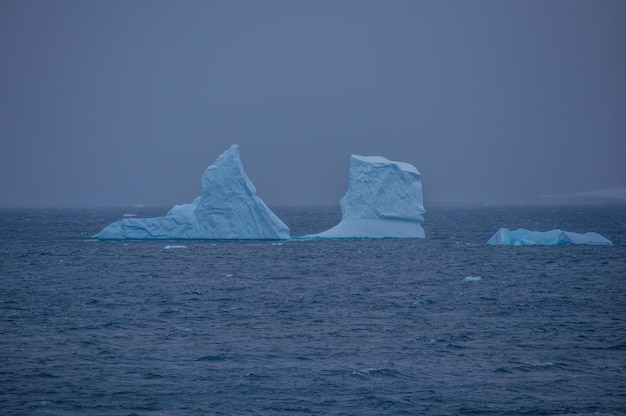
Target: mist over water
(315,327)
(113,103)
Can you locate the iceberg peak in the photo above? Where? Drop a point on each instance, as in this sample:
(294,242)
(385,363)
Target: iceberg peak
(383,160)
(237,182)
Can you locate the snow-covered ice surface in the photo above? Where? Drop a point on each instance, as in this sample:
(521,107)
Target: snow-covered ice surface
(227,209)
(521,237)
(384,200)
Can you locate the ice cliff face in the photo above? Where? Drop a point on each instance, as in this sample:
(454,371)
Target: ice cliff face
(384,200)
(228,208)
(521,237)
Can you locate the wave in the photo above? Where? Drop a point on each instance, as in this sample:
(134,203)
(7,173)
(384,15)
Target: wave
(523,368)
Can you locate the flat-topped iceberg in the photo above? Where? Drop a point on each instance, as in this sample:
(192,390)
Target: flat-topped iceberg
(521,237)
(384,200)
(227,209)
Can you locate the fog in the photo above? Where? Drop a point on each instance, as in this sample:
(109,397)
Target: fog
(115,103)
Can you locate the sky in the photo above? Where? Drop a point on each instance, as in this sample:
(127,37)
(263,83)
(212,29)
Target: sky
(116,103)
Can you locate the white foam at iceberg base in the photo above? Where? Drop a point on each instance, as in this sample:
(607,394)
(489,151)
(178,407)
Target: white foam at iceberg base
(384,200)
(521,237)
(228,208)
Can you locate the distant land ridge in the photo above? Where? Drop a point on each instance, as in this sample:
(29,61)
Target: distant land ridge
(600,196)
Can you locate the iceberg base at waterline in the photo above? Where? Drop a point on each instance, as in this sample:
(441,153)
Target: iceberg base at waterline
(521,237)
(362,228)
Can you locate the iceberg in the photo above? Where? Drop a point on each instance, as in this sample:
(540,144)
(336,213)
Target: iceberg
(228,208)
(521,237)
(384,200)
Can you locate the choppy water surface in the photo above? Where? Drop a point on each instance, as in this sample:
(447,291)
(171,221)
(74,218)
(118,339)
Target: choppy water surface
(313,327)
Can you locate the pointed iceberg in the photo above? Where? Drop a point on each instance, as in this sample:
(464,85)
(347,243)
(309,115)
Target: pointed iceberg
(384,200)
(521,237)
(227,209)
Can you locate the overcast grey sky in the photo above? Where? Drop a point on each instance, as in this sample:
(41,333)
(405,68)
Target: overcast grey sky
(112,103)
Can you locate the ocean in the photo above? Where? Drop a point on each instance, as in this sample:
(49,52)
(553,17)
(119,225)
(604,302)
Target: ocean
(446,325)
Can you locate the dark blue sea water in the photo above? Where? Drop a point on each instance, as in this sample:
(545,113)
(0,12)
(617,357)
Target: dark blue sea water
(314,327)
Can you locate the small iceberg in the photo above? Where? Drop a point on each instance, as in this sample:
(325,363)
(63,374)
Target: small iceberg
(521,237)
(472,279)
(171,247)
